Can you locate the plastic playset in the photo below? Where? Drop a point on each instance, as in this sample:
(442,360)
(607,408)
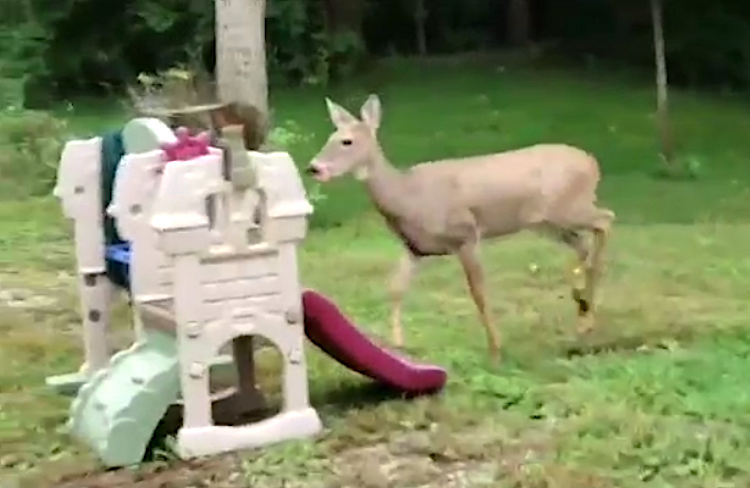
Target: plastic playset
(204,241)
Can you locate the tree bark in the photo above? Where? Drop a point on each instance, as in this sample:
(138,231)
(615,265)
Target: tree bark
(420,17)
(241,57)
(519,23)
(242,80)
(662,85)
(344,16)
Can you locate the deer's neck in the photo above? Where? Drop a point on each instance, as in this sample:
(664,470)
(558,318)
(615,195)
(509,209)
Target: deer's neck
(385,185)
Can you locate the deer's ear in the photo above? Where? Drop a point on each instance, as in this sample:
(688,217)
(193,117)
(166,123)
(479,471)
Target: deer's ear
(371,112)
(339,115)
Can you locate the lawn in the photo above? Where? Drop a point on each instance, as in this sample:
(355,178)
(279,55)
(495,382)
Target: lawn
(656,396)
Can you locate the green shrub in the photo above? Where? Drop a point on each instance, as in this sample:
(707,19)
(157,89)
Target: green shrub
(11,93)
(30,146)
(290,137)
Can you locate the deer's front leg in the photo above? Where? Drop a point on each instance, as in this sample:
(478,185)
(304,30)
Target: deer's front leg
(399,285)
(468,255)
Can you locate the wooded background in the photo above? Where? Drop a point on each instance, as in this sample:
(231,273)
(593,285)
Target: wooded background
(64,48)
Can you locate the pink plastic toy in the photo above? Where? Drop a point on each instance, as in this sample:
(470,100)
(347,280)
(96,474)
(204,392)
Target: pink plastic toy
(329,329)
(187,147)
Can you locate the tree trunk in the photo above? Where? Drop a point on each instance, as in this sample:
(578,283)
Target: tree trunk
(343,16)
(242,80)
(662,87)
(241,57)
(629,18)
(519,23)
(420,17)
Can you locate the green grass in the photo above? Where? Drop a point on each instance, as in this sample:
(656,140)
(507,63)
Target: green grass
(656,396)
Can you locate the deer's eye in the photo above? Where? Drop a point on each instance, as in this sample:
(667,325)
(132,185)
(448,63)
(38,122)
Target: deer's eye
(346,142)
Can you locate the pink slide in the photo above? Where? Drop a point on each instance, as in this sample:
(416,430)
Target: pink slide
(334,334)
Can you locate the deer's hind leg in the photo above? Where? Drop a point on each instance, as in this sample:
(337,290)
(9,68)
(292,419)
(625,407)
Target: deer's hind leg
(600,226)
(576,240)
(590,259)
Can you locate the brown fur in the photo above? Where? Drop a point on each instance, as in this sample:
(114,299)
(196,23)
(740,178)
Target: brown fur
(248,116)
(450,206)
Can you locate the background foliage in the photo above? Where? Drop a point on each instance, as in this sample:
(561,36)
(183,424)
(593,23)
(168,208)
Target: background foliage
(64,47)
(54,51)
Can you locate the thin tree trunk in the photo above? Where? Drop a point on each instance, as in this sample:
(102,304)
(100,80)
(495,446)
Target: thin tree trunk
(242,79)
(519,23)
(345,16)
(241,56)
(662,85)
(420,17)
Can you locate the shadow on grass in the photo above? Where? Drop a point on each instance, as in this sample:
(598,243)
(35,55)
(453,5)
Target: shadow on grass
(345,397)
(623,344)
(580,349)
(359,395)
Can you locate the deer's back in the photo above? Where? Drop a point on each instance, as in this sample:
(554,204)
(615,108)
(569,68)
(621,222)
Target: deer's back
(510,190)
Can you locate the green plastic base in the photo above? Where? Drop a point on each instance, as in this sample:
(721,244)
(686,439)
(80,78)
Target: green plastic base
(67,384)
(117,410)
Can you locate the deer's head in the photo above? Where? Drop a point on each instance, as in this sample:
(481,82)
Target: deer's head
(353,144)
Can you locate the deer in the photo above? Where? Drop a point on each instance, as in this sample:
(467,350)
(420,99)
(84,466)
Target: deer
(450,206)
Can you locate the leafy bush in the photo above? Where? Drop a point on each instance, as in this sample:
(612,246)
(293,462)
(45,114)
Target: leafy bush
(287,136)
(11,93)
(30,146)
(290,137)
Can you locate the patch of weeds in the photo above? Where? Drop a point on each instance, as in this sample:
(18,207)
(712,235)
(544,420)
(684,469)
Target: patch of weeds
(286,466)
(31,143)
(684,168)
(654,397)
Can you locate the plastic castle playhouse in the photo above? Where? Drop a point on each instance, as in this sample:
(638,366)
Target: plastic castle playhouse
(205,240)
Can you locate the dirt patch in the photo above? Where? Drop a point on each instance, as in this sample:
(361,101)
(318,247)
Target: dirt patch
(216,473)
(24,298)
(425,459)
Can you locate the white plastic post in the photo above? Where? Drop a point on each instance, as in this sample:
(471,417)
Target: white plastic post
(194,369)
(182,226)
(79,190)
(229,292)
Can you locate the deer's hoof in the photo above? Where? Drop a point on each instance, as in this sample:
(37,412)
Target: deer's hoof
(584,306)
(585,323)
(495,360)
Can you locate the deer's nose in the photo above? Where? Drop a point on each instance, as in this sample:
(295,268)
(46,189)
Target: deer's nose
(319,171)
